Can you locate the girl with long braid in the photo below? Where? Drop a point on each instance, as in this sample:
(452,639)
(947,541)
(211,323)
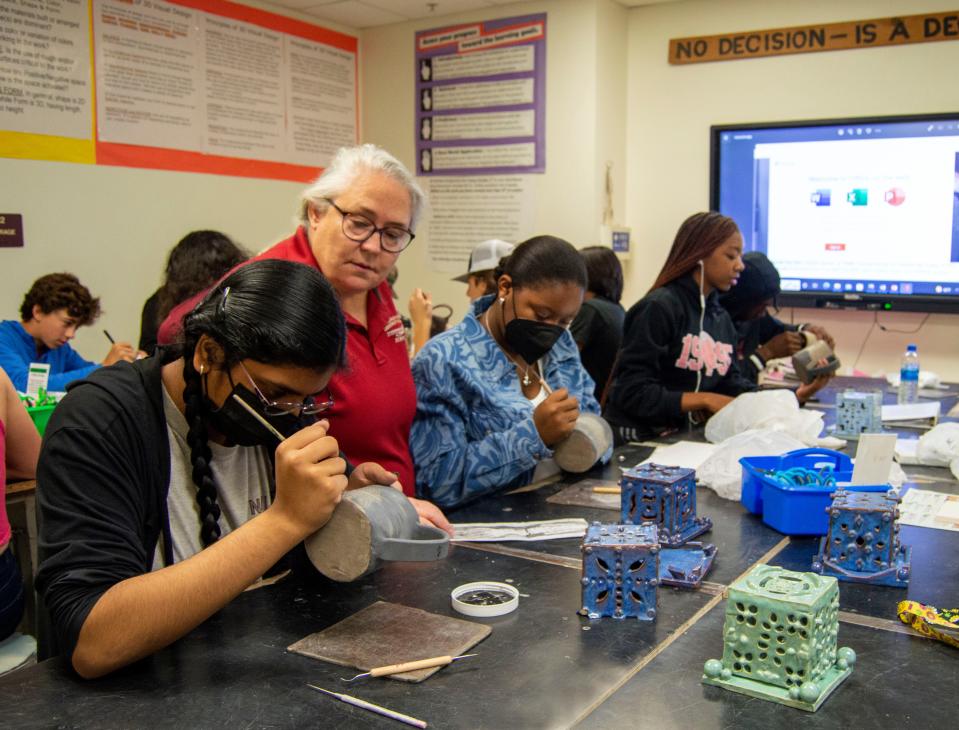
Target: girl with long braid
(158,498)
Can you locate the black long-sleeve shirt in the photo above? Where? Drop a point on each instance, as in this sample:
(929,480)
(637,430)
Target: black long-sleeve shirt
(102,482)
(752,334)
(663,350)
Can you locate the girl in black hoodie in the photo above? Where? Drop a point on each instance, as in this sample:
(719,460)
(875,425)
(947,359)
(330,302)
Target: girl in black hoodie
(677,362)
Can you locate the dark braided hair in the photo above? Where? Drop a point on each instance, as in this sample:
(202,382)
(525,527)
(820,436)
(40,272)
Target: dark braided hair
(200,455)
(272,311)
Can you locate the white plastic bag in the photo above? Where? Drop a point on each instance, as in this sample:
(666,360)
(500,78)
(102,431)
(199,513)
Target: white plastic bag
(939,446)
(722,471)
(927,379)
(775,410)
(896,476)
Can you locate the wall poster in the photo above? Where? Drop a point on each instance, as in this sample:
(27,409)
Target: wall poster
(481,97)
(190,85)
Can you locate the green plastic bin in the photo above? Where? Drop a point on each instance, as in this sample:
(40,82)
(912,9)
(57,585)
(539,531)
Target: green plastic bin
(40,416)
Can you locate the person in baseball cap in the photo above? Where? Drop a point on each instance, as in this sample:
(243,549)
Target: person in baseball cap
(483,261)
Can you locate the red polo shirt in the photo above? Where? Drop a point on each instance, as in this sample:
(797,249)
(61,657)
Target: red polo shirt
(374,400)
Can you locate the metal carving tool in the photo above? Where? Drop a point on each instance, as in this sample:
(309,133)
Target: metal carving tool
(439,661)
(252,411)
(356,702)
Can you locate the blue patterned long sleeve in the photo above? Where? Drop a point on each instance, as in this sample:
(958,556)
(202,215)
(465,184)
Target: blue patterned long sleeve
(474,433)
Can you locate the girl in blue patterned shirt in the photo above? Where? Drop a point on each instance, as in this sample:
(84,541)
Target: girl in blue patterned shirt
(498,391)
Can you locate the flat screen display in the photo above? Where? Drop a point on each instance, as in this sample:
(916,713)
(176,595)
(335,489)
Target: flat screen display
(855,212)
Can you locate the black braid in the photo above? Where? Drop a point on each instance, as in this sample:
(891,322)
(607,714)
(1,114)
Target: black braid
(200,456)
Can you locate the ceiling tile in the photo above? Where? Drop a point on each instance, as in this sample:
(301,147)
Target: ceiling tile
(298,4)
(421,8)
(353,13)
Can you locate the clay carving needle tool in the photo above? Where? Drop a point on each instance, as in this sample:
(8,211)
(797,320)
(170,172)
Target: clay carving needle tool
(356,702)
(252,411)
(112,342)
(439,661)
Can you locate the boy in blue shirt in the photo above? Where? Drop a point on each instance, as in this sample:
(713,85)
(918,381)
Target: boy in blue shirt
(52,311)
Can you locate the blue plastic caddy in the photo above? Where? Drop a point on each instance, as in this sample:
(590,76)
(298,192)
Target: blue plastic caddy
(796,510)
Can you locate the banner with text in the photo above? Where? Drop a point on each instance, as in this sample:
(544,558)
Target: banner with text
(900,30)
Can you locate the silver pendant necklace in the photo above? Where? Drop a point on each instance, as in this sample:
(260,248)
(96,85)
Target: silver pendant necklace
(525,380)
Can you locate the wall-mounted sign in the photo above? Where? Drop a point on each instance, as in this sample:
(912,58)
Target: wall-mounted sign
(924,28)
(11,230)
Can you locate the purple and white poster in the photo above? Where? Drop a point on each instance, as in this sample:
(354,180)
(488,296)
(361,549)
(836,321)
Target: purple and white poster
(481,97)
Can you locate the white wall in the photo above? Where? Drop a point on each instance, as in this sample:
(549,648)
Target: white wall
(672,107)
(585,40)
(113,228)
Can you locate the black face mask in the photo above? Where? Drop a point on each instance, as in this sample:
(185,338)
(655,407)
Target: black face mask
(241,428)
(531,339)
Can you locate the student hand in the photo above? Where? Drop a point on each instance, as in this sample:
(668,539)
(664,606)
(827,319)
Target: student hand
(711,403)
(782,345)
(556,416)
(120,351)
(430,514)
(821,334)
(421,307)
(369,473)
(310,478)
(808,390)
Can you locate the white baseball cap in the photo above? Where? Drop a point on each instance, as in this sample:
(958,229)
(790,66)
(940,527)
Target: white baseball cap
(485,257)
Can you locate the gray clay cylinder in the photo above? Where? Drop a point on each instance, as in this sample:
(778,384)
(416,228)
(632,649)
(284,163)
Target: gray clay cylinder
(369,525)
(591,439)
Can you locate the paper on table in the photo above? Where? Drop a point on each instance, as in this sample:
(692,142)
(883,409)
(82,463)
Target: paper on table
(688,454)
(925,508)
(873,458)
(911,411)
(506,531)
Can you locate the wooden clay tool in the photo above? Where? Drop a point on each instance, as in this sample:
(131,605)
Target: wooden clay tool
(439,661)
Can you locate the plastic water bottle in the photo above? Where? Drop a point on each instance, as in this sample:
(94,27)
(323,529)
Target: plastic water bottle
(909,376)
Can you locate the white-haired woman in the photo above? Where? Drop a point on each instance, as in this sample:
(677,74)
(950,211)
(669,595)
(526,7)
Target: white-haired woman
(354,221)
